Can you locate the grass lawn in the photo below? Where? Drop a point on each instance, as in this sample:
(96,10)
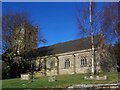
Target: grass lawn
(63,81)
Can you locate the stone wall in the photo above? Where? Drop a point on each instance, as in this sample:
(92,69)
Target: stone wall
(62,69)
(83,69)
(75,62)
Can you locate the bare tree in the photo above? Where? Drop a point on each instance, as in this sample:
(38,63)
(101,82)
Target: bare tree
(18,26)
(103,22)
(109,22)
(10,21)
(0,34)
(19,36)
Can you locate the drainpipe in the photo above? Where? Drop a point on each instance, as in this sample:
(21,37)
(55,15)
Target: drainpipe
(74,64)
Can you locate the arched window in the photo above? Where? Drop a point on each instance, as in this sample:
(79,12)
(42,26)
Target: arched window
(83,61)
(67,63)
(52,64)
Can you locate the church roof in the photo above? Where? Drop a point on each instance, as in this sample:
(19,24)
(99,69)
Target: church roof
(74,45)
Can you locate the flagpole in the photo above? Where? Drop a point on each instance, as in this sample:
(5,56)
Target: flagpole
(92,36)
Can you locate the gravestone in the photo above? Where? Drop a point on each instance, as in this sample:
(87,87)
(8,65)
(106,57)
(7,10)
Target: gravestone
(96,77)
(51,78)
(25,77)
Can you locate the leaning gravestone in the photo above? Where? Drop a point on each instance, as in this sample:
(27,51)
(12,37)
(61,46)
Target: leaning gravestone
(51,78)
(25,76)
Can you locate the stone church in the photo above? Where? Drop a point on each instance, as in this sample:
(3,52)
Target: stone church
(73,57)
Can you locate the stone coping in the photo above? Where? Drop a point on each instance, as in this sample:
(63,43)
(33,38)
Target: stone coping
(113,85)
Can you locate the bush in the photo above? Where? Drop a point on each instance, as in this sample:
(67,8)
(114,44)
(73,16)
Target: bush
(5,71)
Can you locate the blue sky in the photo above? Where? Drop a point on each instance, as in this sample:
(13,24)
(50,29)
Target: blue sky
(57,21)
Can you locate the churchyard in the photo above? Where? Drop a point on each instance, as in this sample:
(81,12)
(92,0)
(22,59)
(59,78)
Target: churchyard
(61,61)
(61,81)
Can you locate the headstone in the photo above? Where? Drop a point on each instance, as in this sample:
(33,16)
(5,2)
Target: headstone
(91,77)
(51,78)
(105,77)
(95,77)
(25,76)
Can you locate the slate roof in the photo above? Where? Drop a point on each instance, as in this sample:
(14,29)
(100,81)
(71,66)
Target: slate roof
(74,45)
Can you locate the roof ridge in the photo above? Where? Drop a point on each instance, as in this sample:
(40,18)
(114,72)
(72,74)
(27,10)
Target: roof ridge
(66,42)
